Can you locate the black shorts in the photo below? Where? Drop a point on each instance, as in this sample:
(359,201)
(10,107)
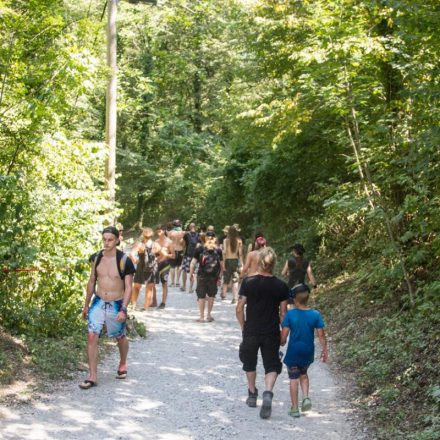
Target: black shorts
(145,275)
(177,261)
(163,270)
(231,271)
(269,345)
(206,286)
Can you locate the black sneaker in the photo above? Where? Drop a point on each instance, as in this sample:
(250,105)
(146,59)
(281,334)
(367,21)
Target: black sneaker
(161,306)
(266,408)
(251,401)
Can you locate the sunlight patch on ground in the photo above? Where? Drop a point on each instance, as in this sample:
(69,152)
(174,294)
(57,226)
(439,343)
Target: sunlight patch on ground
(210,389)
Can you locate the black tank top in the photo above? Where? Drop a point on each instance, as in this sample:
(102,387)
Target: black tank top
(297,274)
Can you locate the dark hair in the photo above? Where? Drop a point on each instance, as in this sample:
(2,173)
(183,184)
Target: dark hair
(257,236)
(299,250)
(162,227)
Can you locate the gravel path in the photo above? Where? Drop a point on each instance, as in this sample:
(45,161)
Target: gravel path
(185,382)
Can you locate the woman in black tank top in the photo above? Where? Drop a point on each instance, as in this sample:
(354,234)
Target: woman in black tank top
(296,268)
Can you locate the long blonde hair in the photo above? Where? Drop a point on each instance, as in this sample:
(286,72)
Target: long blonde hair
(267,259)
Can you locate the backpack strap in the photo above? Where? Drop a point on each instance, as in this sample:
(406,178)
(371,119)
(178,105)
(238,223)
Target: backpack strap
(121,260)
(96,260)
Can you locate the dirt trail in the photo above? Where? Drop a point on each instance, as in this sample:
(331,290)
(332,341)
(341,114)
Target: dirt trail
(185,382)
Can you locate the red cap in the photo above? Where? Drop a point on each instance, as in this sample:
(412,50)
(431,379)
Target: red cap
(261,241)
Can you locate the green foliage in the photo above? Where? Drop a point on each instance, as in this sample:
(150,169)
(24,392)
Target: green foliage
(55,356)
(52,204)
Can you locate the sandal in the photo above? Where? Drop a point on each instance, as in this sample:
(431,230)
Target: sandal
(294,412)
(210,319)
(121,374)
(87,384)
(200,320)
(306,405)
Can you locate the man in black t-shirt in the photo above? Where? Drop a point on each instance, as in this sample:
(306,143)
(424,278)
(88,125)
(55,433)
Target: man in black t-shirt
(265,298)
(210,260)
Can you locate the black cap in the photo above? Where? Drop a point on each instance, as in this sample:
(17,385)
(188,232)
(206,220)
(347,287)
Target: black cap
(112,230)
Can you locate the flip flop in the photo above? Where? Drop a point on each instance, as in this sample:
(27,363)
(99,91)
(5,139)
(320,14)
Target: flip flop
(87,384)
(200,320)
(121,374)
(210,319)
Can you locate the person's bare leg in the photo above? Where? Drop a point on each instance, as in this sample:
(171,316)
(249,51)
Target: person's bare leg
(234,292)
(294,392)
(304,382)
(123,351)
(135,293)
(92,354)
(172,275)
(270,380)
(225,290)
(210,306)
(149,291)
(154,302)
(178,272)
(164,293)
(201,302)
(251,378)
(183,287)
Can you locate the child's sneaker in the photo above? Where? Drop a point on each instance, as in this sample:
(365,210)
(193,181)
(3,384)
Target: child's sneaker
(294,412)
(251,401)
(306,405)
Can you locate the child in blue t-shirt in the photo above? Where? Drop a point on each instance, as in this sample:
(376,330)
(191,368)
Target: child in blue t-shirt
(301,323)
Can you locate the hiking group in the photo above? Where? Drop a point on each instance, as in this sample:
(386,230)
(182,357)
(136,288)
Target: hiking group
(270,312)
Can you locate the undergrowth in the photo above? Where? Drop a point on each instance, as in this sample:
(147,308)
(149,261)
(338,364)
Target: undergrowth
(393,355)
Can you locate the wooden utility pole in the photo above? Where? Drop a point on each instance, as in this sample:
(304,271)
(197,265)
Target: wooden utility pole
(111,101)
(110,105)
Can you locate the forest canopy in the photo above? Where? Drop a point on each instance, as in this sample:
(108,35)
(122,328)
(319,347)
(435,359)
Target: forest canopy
(314,121)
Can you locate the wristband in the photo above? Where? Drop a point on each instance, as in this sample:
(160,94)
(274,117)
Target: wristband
(124,309)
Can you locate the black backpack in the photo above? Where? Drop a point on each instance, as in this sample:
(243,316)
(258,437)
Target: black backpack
(210,263)
(149,258)
(193,239)
(121,261)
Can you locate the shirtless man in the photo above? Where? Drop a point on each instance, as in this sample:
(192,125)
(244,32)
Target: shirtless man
(163,256)
(233,257)
(251,265)
(111,277)
(176,236)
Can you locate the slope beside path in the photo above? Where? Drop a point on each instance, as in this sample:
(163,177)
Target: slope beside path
(184,382)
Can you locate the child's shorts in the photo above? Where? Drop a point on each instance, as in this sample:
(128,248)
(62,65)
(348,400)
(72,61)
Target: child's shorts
(294,371)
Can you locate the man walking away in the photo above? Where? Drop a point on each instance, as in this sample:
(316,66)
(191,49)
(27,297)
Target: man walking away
(192,240)
(165,252)
(265,299)
(176,236)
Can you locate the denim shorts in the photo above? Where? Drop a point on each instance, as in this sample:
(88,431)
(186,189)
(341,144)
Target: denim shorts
(294,372)
(105,312)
